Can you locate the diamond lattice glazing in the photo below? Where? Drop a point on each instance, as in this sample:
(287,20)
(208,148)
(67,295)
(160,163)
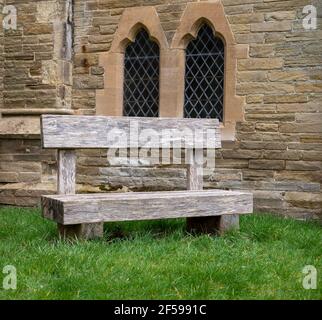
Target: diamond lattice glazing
(204,84)
(141,77)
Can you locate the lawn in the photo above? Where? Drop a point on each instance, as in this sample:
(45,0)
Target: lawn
(159,260)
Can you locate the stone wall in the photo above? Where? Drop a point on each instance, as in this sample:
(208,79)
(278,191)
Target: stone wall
(36,79)
(1,55)
(278,149)
(34,68)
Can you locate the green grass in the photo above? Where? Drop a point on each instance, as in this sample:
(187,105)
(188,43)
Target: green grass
(158,260)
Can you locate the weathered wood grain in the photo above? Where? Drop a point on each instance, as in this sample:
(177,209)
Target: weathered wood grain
(90,132)
(195,169)
(212,225)
(66,185)
(227,223)
(194,183)
(82,216)
(77,209)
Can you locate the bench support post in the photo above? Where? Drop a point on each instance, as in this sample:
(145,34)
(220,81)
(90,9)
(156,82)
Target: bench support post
(209,225)
(66,184)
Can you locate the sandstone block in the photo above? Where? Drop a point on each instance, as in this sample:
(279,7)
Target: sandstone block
(304,165)
(254,98)
(283,76)
(261,51)
(258,175)
(308,87)
(249,38)
(267,127)
(246,18)
(241,154)
(312,155)
(300,128)
(274,26)
(263,145)
(304,200)
(252,76)
(260,64)
(270,117)
(291,98)
(282,155)
(89,82)
(280,16)
(267,164)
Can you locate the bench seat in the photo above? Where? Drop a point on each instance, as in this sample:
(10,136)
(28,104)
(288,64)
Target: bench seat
(97,208)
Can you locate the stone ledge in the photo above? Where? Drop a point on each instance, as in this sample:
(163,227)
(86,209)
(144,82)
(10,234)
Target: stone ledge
(35,112)
(24,194)
(24,123)
(20,127)
(28,194)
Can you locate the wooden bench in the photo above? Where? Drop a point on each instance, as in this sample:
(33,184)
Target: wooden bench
(83,215)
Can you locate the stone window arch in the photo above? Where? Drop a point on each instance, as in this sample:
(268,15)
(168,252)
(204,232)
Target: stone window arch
(141,77)
(212,14)
(110,100)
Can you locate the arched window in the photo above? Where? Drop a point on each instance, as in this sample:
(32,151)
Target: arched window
(141,77)
(204,80)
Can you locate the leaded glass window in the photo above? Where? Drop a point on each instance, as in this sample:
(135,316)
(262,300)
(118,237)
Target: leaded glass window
(141,77)
(204,81)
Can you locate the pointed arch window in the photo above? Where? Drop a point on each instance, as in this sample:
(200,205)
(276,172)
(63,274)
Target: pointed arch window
(141,77)
(204,79)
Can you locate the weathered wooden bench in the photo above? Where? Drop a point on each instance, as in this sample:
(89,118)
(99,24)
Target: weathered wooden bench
(83,215)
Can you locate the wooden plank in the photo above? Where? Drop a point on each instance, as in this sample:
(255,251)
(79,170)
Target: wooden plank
(144,206)
(228,223)
(90,132)
(195,182)
(141,195)
(215,224)
(195,169)
(66,185)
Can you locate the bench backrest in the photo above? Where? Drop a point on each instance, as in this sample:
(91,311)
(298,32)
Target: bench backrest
(68,133)
(96,132)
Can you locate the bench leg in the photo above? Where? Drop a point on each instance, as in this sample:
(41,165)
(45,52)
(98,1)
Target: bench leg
(81,231)
(229,222)
(213,225)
